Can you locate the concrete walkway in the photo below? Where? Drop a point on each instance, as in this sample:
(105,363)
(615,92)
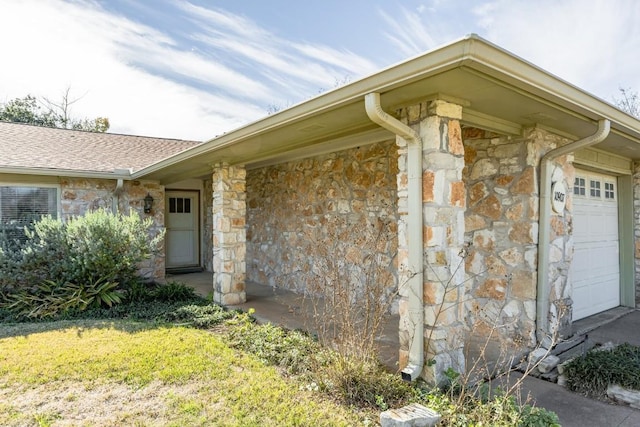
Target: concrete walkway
(618,325)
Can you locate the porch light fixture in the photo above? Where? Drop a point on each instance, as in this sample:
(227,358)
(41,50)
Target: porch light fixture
(148,203)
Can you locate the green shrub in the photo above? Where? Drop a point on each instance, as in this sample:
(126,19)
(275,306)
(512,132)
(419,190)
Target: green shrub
(173,291)
(532,416)
(138,291)
(98,246)
(71,265)
(200,316)
(293,351)
(592,373)
(500,410)
(50,298)
(25,264)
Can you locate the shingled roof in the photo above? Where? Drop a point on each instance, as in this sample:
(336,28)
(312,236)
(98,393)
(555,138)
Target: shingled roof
(37,147)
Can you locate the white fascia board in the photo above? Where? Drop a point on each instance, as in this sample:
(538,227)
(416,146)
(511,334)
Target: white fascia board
(472,52)
(436,62)
(64,172)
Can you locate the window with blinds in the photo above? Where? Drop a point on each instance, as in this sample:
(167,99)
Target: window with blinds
(21,206)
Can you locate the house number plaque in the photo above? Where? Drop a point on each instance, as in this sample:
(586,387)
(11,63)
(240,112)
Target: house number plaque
(558,197)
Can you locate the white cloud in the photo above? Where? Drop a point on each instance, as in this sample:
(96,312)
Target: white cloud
(342,59)
(304,68)
(408,32)
(216,70)
(101,56)
(146,80)
(591,43)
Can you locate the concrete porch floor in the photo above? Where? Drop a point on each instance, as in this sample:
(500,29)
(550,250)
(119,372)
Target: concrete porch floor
(290,310)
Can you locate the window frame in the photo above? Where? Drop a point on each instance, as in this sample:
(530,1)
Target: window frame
(36,185)
(596,187)
(595,191)
(613,191)
(581,187)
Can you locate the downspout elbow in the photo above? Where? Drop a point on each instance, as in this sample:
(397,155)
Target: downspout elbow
(414,230)
(116,195)
(604,127)
(542,294)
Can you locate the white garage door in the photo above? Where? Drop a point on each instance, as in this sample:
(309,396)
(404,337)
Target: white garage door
(595,270)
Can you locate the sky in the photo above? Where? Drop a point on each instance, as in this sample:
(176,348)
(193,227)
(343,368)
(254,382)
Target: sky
(194,69)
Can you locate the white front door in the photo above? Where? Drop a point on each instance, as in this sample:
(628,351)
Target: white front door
(595,269)
(182,238)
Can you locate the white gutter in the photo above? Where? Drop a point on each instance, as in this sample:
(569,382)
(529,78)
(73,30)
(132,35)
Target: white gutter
(542,299)
(471,54)
(414,229)
(71,173)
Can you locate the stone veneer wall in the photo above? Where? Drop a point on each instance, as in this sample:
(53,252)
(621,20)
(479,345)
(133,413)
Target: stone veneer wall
(501,223)
(207,224)
(305,215)
(79,195)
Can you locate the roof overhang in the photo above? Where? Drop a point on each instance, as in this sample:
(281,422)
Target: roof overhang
(124,174)
(498,90)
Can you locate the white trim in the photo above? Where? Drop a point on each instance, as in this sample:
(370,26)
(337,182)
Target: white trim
(603,179)
(594,158)
(70,173)
(471,53)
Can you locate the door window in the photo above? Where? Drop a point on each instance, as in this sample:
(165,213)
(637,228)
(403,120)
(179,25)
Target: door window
(179,205)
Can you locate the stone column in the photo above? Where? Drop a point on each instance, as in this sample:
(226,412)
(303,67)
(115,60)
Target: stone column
(443,232)
(636,223)
(229,234)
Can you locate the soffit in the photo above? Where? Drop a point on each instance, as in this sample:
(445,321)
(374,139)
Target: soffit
(499,91)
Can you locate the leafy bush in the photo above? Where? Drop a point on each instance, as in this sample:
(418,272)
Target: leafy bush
(98,246)
(24,264)
(137,291)
(50,298)
(592,373)
(200,316)
(499,410)
(532,416)
(293,351)
(72,265)
(173,291)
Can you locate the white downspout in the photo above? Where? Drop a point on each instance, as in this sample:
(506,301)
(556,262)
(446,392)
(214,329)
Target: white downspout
(116,196)
(414,229)
(542,299)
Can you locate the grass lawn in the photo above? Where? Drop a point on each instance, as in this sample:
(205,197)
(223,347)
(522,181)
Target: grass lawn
(120,372)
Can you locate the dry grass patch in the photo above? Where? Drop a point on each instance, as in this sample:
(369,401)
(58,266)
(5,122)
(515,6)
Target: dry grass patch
(127,373)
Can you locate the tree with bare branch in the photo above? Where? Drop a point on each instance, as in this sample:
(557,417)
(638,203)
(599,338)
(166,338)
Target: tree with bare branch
(45,112)
(629,101)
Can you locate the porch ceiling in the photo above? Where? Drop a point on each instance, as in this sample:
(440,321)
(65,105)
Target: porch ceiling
(499,92)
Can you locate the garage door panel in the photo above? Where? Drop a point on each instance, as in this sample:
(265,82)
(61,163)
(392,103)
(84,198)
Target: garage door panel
(595,270)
